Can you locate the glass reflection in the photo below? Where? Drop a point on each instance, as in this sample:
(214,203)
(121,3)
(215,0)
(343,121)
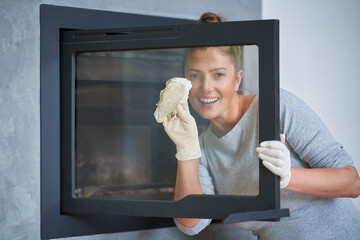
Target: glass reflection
(121,152)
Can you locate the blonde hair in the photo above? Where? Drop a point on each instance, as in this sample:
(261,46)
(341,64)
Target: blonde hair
(233,51)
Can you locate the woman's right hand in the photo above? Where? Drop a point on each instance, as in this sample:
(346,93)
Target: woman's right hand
(182,130)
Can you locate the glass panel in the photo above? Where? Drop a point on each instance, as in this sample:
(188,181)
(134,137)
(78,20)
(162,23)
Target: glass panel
(121,152)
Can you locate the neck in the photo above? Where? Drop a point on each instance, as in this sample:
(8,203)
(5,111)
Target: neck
(223,124)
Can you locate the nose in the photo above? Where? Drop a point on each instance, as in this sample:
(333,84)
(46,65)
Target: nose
(207,84)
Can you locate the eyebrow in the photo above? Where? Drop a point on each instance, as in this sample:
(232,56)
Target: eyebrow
(195,70)
(215,69)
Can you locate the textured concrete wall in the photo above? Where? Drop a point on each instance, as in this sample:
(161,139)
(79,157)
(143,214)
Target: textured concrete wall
(20,105)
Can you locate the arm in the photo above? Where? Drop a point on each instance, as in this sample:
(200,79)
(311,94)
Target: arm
(331,174)
(325,182)
(187,182)
(322,182)
(183,132)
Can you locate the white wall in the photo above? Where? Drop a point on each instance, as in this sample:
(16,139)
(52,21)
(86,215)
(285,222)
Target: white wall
(320,61)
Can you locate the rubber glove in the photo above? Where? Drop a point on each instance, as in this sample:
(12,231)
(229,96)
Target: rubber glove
(182,130)
(276,157)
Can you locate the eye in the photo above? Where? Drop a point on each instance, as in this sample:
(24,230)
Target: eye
(219,75)
(194,75)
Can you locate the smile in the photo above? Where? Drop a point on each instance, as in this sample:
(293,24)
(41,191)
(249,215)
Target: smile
(208,100)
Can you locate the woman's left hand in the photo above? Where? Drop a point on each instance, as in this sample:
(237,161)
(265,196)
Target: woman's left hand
(276,157)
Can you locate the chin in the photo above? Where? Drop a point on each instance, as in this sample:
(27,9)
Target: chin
(207,116)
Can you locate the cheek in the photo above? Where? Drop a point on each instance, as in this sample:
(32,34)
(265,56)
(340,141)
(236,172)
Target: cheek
(192,92)
(191,96)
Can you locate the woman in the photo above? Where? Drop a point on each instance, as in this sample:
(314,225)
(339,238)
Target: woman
(317,176)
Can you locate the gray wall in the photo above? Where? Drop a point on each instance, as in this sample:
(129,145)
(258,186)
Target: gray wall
(20,106)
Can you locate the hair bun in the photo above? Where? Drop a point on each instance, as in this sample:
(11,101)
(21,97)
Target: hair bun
(210,17)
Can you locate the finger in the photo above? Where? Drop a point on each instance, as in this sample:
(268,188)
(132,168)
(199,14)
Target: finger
(261,149)
(278,162)
(282,138)
(273,145)
(272,168)
(182,112)
(271,152)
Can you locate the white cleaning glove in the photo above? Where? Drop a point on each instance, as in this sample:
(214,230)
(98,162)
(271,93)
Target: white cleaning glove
(182,130)
(276,157)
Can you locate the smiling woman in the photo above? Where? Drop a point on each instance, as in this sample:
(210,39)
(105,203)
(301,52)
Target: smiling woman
(316,174)
(216,74)
(216,78)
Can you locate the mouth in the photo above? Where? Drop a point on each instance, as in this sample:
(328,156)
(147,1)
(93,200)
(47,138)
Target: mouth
(208,100)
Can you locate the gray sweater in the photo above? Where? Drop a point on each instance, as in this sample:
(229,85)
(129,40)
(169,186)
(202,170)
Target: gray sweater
(229,165)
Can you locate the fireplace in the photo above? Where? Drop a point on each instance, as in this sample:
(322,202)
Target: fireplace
(114,165)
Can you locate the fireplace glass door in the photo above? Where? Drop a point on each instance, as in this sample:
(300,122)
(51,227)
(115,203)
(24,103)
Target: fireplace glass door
(120,150)
(117,159)
(106,165)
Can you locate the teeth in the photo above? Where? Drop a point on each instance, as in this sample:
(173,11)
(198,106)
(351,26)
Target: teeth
(208,100)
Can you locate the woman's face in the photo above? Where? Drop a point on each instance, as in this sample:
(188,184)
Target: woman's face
(214,82)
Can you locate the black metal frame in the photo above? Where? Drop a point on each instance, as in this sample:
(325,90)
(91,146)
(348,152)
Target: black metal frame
(262,33)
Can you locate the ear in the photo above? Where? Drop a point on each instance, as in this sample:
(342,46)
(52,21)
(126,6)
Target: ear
(238,77)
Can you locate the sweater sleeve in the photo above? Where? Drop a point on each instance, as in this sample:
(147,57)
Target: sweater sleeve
(207,188)
(307,135)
